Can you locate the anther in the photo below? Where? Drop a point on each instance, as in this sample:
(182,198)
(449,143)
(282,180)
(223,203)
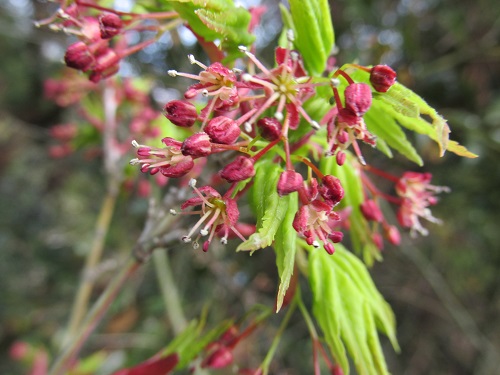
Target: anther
(203,232)
(237,70)
(335,82)
(192,60)
(290,35)
(172,73)
(278,116)
(315,244)
(186,239)
(196,245)
(246,77)
(134,161)
(192,183)
(172,212)
(247,126)
(294,55)
(242,49)
(315,125)
(204,93)
(135,144)
(223,240)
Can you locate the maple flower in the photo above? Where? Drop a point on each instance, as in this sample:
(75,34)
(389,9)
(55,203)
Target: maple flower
(286,87)
(316,219)
(215,81)
(417,195)
(218,215)
(168,160)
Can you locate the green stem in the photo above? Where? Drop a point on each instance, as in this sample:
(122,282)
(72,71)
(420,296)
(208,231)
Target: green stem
(84,292)
(169,292)
(274,346)
(64,361)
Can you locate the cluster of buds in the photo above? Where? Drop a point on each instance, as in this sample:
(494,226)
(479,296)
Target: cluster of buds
(249,116)
(93,52)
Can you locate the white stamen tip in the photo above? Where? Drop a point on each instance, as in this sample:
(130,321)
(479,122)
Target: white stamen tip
(294,55)
(172,212)
(204,93)
(186,239)
(134,161)
(172,73)
(203,232)
(191,58)
(335,82)
(196,245)
(247,126)
(278,116)
(135,144)
(36,24)
(246,77)
(223,240)
(242,49)
(315,125)
(290,35)
(192,182)
(237,70)
(315,244)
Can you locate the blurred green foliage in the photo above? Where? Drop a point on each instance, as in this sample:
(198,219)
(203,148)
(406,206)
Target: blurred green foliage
(447,51)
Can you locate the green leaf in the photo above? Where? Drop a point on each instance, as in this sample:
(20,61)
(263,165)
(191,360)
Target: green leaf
(360,233)
(314,36)
(387,129)
(285,245)
(191,341)
(216,19)
(349,310)
(269,207)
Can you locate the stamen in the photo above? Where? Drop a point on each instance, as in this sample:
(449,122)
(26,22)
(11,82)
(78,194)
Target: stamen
(315,125)
(134,161)
(172,73)
(316,244)
(186,239)
(247,126)
(204,93)
(173,212)
(223,240)
(203,232)
(290,35)
(243,49)
(135,144)
(196,245)
(192,183)
(278,116)
(335,82)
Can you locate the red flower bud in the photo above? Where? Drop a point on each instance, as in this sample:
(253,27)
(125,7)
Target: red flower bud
(358,98)
(106,65)
(219,359)
(238,170)
(223,130)
(331,189)
(378,240)
(289,182)
(392,234)
(270,128)
(110,25)
(181,113)
(179,169)
(197,145)
(371,211)
(382,77)
(78,56)
(347,117)
(340,157)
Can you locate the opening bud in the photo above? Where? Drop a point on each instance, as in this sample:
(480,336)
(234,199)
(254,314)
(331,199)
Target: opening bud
(181,113)
(78,56)
(222,130)
(371,211)
(110,25)
(270,128)
(382,77)
(289,182)
(198,145)
(331,189)
(358,98)
(238,170)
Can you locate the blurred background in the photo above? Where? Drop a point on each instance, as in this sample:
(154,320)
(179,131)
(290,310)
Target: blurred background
(444,288)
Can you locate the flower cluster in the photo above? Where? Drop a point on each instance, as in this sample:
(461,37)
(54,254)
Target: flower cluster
(93,52)
(253,115)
